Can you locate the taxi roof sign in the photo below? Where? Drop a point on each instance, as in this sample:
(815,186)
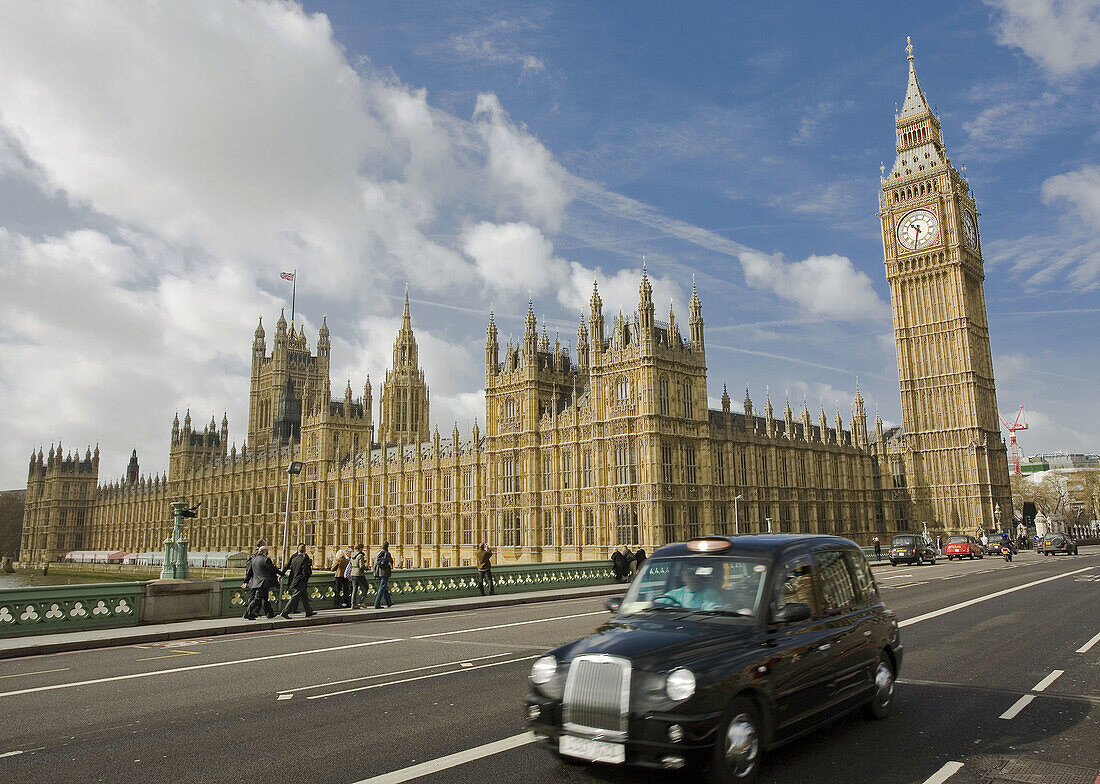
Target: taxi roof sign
(708,544)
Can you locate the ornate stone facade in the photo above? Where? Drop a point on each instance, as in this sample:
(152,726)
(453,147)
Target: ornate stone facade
(613,445)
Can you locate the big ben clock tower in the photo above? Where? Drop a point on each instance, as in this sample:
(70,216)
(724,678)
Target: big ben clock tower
(956,466)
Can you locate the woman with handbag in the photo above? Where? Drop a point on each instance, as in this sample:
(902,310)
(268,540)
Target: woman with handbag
(357,570)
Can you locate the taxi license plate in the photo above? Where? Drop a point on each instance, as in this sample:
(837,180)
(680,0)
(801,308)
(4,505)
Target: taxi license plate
(592,750)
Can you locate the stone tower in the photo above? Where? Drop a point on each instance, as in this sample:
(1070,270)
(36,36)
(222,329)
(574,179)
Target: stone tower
(404,394)
(61,492)
(954,459)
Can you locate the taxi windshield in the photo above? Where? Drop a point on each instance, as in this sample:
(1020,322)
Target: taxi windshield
(712,585)
(956,540)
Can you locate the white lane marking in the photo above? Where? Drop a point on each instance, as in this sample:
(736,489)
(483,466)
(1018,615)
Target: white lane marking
(175,670)
(1020,704)
(451,760)
(285,697)
(1042,685)
(943,774)
(460,662)
(895,576)
(1088,645)
(506,625)
(417,678)
(10,753)
(971,602)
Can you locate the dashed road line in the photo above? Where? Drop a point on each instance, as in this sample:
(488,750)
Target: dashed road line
(943,774)
(1042,685)
(1088,645)
(36,672)
(1018,706)
(461,662)
(372,686)
(452,760)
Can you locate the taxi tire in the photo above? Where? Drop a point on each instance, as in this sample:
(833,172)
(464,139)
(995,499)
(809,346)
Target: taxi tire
(744,711)
(875,708)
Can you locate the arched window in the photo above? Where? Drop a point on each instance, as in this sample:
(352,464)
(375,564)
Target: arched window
(622,389)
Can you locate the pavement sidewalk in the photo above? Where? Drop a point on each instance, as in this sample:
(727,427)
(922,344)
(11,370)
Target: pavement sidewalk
(37,645)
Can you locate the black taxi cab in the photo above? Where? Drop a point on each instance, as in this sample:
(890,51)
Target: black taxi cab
(722,648)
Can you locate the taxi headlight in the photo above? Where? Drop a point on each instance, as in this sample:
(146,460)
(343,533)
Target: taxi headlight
(680,684)
(543,670)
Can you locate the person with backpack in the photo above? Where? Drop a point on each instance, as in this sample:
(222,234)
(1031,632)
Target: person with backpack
(357,571)
(383,568)
(298,569)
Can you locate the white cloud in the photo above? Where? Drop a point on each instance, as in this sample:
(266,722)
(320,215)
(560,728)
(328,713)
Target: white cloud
(497,42)
(522,168)
(1063,36)
(514,258)
(1011,126)
(1080,188)
(823,285)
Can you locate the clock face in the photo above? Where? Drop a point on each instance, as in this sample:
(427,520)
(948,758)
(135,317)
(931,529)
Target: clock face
(918,229)
(970,230)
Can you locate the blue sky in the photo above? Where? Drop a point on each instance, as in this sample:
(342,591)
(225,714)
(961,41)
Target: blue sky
(160,166)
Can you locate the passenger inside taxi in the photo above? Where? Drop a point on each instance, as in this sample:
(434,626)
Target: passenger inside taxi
(697,592)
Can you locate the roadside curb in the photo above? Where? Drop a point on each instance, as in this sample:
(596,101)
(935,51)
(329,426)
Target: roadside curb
(112,638)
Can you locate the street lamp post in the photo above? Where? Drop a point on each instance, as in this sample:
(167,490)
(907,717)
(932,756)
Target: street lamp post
(997,516)
(292,470)
(175,565)
(736,517)
(768,520)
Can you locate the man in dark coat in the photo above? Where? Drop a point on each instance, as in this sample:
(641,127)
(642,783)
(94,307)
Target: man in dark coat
(618,565)
(260,576)
(298,569)
(383,568)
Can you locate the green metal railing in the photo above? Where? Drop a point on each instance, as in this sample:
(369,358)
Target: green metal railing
(442,583)
(63,608)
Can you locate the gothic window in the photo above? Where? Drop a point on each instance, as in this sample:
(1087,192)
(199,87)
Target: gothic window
(689,408)
(361,494)
(669,523)
(467,485)
(625,472)
(898,467)
(547,528)
(467,531)
(345,500)
(428,534)
(566,470)
(394,490)
(511,529)
(880,518)
(567,527)
(447,491)
(64,491)
(720,466)
(902,517)
(83,492)
(548,473)
(510,407)
(666,463)
(410,535)
(589,527)
(507,475)
(310,498)
(723,520)
(744,470)
(662,387)
(622,390)
(692,520)
(626,525)
(586,468)
(764,469)
(428,489)
(376,491)
(689,465)
(448,531)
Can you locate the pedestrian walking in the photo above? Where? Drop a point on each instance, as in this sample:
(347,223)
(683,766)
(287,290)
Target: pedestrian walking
(618,564)
(298,571)
(878,548)
(341,595)
(939,545)
(383,568)
(638,557)
(260,576)
(357,570)
(482,557)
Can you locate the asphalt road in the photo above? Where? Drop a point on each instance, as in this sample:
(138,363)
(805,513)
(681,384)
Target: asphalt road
(993,688)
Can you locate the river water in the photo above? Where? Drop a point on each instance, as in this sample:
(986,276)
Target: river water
(21,579)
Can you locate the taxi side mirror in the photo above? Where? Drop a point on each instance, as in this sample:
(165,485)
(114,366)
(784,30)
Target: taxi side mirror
(789,613)
(613,603)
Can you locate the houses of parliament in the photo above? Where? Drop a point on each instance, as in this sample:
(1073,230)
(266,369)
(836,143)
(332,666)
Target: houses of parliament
(581,452)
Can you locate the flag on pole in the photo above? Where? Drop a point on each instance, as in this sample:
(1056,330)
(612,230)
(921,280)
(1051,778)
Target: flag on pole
(288,276)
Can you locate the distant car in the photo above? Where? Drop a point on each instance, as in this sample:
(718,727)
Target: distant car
(1058,542)
(911,549)
(963,547)
(998,546)
(722,648)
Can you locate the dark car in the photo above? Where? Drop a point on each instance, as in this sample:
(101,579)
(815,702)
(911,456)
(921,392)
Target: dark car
(720,649)
(911,549)
(998,545)
(963,546)
(1058,542)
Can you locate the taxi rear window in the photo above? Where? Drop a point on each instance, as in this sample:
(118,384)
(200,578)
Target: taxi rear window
(905,541)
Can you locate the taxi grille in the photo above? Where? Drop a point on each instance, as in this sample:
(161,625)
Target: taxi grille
(597,694)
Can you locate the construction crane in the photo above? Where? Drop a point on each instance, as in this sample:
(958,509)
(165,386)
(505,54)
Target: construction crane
(1020,423)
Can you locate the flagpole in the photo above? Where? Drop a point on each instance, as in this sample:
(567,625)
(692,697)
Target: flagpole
(293,291)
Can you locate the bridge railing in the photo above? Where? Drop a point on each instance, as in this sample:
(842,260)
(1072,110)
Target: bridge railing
(454,582)
(64,608)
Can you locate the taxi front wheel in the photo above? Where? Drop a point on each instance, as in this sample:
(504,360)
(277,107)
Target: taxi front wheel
(737,746)
(882,694)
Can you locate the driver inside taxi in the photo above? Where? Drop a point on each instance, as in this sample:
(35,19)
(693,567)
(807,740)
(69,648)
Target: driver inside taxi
(697,592)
